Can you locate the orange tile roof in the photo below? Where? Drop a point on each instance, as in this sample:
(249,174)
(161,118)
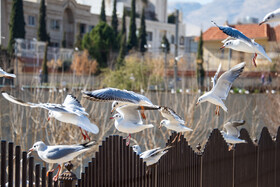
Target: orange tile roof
(277,32)
(253,31)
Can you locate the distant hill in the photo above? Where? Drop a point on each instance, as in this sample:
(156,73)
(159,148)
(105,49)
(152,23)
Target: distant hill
(197,16)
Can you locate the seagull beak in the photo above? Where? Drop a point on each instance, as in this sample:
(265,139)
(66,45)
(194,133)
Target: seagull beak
(261,22)
(196,103)
(30,150)
(222,47)
(111,118)
(113,110)
(49,118)
(160,127)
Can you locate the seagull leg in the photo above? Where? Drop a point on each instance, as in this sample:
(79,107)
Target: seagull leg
(87,135)
(56,176)
(83,133)
(179,139)
(218,113)
(127,143)
(254,60)
(52,170)
(175,138)
(142,112)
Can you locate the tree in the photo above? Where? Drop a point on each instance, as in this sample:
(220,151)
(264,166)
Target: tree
(83,65)
(199,62)
(123,31)
(42,34)
(45,66)
(142,34)
(115,22)
(102,13)
(166,44)
(78,43)
(122,52)
(99,42)
(171,18)
(132,38)
(17,24)
(63,42)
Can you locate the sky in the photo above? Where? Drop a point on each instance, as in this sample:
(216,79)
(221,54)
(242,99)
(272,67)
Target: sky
(198,1)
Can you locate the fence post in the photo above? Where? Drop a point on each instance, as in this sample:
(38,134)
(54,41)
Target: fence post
(68,178)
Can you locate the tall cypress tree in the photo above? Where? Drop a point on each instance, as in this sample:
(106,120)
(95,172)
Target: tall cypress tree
(122,52)
(199,62)
(123,31)
(142,33)
(166,43)
(42,34)
(102,13)
(44,66)
(132,38)
(115,22)
(17,24)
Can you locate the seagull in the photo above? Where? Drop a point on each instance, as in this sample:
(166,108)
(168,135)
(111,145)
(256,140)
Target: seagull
(173,122)
(128,120)
(6,75)
(234,33)
(232,133)
(123,97)
(70,111)
(271,17)
(239,45)
(151,156)
(221,87)
(59,154)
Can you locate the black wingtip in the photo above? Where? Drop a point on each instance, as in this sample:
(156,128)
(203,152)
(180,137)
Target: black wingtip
(89,144)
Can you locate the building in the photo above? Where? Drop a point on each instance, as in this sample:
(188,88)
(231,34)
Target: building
(73,17)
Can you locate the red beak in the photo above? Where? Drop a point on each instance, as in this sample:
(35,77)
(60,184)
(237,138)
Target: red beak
(30,150)
(222,47)
(111,118)
(49,118)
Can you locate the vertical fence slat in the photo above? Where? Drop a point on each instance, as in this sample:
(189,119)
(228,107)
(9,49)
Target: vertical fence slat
(3,162)
(50,176)
(83,180)
(44,176)
(17,167)
(86,176)
(10,164)
(89,174)
(37,175)
(30,171)
(277,156)
(24,169)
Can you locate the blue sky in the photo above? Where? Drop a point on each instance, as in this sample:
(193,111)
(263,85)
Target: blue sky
(198,1)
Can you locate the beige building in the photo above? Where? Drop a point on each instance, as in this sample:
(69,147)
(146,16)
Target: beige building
(71,17)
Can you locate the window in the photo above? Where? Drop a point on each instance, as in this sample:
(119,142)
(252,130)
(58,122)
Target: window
(31,20)
(182,40)
(82,28)
(149,36)
(55,24)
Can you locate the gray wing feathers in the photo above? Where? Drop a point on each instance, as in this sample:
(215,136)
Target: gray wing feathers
(238,123)
(60,152)
(214,79)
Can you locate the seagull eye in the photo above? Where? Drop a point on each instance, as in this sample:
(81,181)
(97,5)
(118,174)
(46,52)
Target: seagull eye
(268,17)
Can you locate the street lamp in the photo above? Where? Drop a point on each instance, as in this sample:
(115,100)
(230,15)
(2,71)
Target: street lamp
(165,65)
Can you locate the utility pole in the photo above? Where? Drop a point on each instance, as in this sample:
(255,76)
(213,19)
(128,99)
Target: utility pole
(16,50)
(176,50)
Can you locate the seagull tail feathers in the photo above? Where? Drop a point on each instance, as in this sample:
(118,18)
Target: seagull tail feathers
(149,126)
(89,144)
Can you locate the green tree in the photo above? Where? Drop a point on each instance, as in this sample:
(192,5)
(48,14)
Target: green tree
(63,42)
(44,78)
(123,31)
(143,34)
(99,42)
(115,21)
(166,44)
(17,24)
(42,34)
(78,42)
(122,52)
(102,13)
(200,73)
(171,18)
(132,38)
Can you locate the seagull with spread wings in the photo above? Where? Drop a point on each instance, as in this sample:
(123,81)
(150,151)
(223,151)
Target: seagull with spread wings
(122,97)
(173,122)
(6,75)
(70,111)
(59,154)
(232,133)
(221,87)
(128,120)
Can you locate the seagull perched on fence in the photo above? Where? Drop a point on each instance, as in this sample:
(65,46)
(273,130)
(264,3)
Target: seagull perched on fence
(232,133)
(221,87)
(128,120)
(6,75)
(151,156)
(254,46)
(122,97)
(59,154)
(271,17)
(70,111)
(173,122)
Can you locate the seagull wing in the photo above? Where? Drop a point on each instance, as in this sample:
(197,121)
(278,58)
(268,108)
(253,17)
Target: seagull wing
(150,153)
(171,115)
(231,127)
(227,39)
(225,81)
(214,79)
(73,104)
(61,151)
(18,101)
(112,94)
(234,33)
(130,113)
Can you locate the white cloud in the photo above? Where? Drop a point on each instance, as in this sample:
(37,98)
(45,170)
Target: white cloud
(185,1)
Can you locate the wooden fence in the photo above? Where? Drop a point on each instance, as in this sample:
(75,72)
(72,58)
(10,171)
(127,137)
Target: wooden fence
(254,164)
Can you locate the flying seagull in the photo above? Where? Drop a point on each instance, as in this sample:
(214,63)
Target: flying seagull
(123,97)
(232,133)
(128,120)
(151,156)
(173,122)
(6,75)
(59,154)
(253,46)
(70,111)
(221,87)
(271,17)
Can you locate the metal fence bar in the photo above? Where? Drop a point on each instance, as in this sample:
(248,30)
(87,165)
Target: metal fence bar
(44,176)
(10,164)
(17,167)
(24,169)
(37,175)
(3,162)
(30,171)
(50,180)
